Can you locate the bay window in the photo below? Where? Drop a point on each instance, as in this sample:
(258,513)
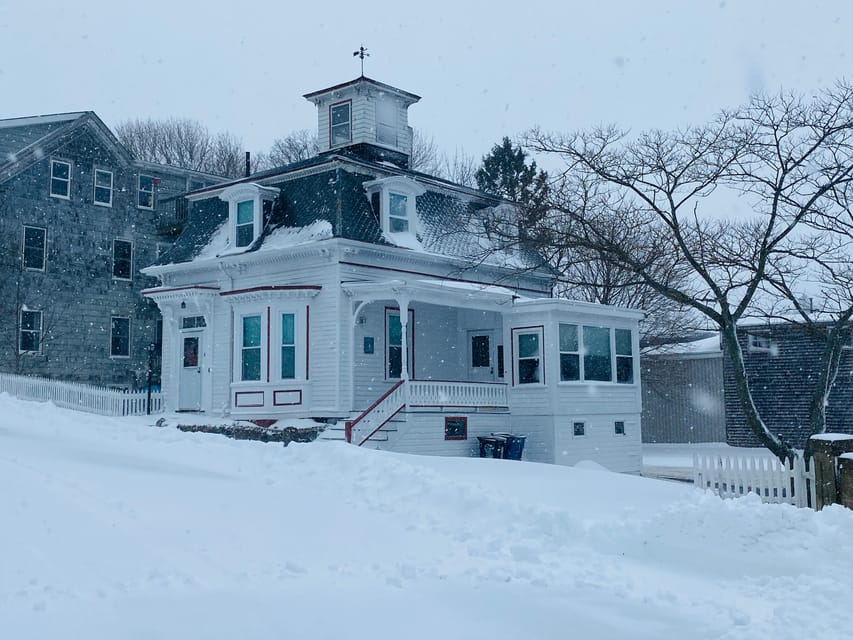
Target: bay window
(528,355)
(250,352)
(593,354)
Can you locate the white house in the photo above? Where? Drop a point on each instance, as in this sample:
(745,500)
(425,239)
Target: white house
(344,288)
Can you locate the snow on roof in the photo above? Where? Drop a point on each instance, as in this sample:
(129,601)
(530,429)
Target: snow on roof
(280,238)
(471,286)
(704,346)
(34,120)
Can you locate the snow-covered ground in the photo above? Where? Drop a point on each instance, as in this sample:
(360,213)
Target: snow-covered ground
(113,529)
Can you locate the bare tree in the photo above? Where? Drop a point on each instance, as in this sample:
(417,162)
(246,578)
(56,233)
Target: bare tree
(182,142)
(789,157)
(460,168)
(294,147)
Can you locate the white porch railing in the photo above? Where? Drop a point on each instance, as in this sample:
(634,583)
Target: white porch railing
(372,419)
(423,393)
(82,397)
(432,393)
(734,475)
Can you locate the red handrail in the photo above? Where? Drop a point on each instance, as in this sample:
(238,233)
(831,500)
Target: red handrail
(376,404)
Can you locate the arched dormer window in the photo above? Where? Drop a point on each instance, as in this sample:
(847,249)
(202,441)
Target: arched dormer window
(394,199)
(246,205)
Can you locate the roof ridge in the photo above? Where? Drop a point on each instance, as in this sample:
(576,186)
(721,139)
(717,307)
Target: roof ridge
(50,118)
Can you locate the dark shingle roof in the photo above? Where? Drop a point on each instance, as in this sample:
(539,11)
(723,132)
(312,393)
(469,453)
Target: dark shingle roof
(19,133)
(448,213)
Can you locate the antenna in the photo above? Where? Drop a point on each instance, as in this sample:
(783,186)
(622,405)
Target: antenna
(361,53)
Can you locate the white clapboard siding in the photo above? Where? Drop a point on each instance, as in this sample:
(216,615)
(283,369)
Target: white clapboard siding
(734,475)
(82,397)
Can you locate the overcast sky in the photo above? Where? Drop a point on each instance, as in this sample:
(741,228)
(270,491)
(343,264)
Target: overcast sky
(483,69)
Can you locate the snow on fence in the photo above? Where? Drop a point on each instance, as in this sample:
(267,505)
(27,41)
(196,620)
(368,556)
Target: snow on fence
(733,475)
(82,397)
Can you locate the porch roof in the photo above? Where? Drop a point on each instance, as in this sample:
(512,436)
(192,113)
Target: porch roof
(470,295)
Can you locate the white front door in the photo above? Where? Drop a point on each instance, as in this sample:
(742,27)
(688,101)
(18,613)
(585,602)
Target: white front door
(189,395)
(482,358)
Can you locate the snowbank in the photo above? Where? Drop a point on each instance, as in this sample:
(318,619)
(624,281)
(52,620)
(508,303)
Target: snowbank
(113,529)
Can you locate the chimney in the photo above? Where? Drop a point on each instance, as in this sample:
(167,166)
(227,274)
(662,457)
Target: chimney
(248,164)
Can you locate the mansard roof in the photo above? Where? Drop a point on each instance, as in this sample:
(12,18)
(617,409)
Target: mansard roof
(330,188)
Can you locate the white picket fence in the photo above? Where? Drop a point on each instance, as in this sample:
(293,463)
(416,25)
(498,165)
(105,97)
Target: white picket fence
(82,397)
(731,475)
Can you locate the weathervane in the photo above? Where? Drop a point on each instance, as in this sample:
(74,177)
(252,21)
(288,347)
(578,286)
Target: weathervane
(361,53)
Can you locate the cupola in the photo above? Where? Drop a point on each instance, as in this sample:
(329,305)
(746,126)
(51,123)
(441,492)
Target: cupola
(365,117)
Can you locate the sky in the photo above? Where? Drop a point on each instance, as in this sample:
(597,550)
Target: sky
(483,69)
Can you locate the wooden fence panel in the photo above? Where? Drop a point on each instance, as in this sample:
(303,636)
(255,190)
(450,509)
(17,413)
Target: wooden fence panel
(81,397)
(732,475)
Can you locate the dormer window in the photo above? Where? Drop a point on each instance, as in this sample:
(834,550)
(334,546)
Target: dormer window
(398,212)
(340,123)
(394,200)
(247,204)
(245,223)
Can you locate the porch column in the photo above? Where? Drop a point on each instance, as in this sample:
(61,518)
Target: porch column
(403,303)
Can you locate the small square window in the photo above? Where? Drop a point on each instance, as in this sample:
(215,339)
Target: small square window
(122,259)
(103,188)
(759,344)
(579,429)
(60,179)
(456,428)
(145,192)
(619,428)
(34,248)
(119,337)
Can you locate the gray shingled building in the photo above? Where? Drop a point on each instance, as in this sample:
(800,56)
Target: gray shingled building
(78,218)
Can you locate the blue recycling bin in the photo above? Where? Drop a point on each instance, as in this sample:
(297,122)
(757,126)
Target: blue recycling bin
(492,446)
(513,445)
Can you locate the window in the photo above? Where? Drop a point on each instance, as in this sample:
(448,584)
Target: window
(29,340)
(624,357)
(579,429)
(596,358)
(249,205)
(398,213)
(145,192)
(480,347)
(122,259)
(456,428)
(193,322)
(570,368)
(500,355)
(103,188)
(60,179)
(619,428)
(386,122)
(395,346)
(251,348)
(34,248)
(119,337)
(340,124)
(759,344)
(529,356)
(394,200)
(288,346)
(245,223)
(162,248)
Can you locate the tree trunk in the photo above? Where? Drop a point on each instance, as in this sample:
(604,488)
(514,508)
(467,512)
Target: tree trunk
(780,449)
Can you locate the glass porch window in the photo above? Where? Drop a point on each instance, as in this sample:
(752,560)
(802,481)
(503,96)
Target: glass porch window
(529,358)
(624,357)
(596,359)
(569,353)
(251,348)
(288,346)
